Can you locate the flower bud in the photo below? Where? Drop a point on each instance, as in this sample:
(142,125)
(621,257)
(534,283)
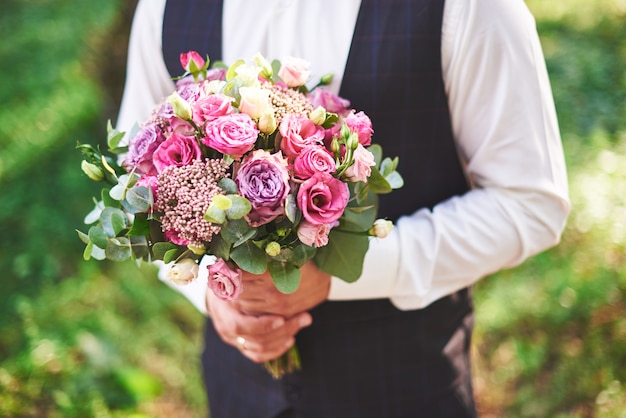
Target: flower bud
(182,108)
(353,141)
(326,79)
(93,171)
(266,67)
(381,228)
(335,148)
(183,272)
(191,61)
(267,122)
(318,115)
(272,249)
(196,250)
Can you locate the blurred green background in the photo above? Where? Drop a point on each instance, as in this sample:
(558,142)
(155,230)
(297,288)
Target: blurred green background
(87,339)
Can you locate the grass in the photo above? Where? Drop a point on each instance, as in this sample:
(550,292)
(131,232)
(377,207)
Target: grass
(108,340)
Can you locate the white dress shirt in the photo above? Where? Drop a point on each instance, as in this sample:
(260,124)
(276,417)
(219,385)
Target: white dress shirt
(503,120)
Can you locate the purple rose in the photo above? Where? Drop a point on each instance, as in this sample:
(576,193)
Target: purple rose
(322,199)
(225,282)
(263,179)
(232,135)
(311,160)
(177,150)
(329,101)
(141,147)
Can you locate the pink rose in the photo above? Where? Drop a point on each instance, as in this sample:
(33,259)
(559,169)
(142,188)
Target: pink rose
(233,134)
(322,199)
(294,72)
(191,61)
(297,133)
(224,281)
(174,237)
(211,107)
(181,127)
(311,160)
(263,179)
(313,235)
(176,150)
(360,169)
(329,101)
(360,124)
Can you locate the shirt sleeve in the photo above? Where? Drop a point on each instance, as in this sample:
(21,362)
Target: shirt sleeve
(507,136)
(147,78)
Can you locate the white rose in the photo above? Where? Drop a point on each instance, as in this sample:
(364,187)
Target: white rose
(255,102)
(183,272)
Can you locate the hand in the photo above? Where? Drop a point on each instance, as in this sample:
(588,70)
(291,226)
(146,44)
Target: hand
(265,337)
(260,296)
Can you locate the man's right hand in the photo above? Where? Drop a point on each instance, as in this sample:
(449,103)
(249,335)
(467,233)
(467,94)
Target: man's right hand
(259,337)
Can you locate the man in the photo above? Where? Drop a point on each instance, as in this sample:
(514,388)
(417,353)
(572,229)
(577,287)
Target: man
(459,92)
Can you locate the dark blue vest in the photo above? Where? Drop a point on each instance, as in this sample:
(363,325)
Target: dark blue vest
(364,358)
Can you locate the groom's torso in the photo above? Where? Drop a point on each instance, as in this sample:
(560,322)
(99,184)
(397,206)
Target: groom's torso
(362,358)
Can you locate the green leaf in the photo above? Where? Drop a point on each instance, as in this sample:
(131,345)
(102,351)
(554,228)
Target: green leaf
(140,198)
(215,215)
(245,237)
(83,237)
(360,217)
(301,254)
(231,73)
(98,236)
(377,182)
(160,248)
(141,225)
(170,255)
(118,249)
(139,245)
(107,199)
(220,248)
(377,150)
(250,258)
(113,221)
(228,185)
(240,207)
(235,230)
(87,251)
(343,255)
(395,180)
(286,276)
(291,209)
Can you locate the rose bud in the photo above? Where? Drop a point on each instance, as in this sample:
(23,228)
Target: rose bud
(318,115)
(381,228)
(183,272)
(93,171)
(191,61)
(181,107)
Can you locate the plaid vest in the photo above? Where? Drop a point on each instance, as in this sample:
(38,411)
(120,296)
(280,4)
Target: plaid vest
(363,358)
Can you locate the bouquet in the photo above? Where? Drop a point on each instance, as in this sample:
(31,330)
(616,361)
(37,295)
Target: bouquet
(248,164)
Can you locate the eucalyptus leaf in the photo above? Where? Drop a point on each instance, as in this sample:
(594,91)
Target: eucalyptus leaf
(343,255)
(118,249)
(140,198)
(107,200)
(235,230)
(139,245)
(160,248)
(118,192)
(377,150)
(87,251)
(302,253)
(220,248)
(250,258)
(215,215)
(113,221)
(291,209)
(98,236)
(245,237)
(228,185)
(239,208)
(395,180)
(83,237)
(170,255)
(377,182)
(286,276)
